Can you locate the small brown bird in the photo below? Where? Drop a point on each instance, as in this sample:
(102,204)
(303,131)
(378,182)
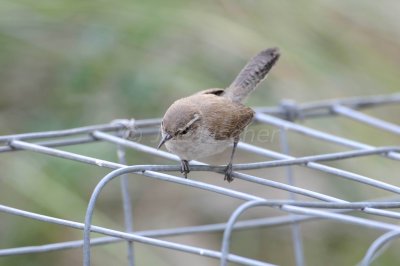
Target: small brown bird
(207,122)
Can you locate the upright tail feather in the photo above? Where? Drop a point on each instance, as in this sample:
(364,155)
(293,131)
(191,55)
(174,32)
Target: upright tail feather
(252,74)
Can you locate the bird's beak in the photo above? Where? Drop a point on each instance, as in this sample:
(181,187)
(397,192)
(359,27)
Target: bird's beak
(164,139)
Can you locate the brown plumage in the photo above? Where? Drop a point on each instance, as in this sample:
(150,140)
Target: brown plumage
(207,122)
(223,118)
(229,121)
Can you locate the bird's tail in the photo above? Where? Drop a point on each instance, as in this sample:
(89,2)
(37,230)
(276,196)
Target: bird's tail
(252,74)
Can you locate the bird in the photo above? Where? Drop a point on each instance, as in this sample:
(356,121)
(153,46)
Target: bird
(209,121)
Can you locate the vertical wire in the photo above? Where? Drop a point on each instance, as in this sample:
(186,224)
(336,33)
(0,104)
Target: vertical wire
(126,203)
(296,229)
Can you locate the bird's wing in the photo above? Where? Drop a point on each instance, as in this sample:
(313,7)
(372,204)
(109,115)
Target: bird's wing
(227,119)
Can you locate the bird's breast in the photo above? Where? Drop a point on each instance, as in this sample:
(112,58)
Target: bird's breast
(197,147)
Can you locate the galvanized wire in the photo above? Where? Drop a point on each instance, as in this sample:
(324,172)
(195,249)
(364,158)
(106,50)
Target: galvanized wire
(317,206)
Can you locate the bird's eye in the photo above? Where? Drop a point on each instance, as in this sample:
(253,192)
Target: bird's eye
(185,131)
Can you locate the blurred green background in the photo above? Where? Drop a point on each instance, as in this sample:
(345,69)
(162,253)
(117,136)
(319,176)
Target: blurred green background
(73,63)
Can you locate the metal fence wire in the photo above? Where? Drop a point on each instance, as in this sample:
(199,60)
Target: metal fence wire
(302,206)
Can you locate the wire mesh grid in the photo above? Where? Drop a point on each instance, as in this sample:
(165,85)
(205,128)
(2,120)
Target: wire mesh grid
(301,206)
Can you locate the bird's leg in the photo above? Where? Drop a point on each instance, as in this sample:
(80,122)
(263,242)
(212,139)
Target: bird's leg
(185,167)
(228,170)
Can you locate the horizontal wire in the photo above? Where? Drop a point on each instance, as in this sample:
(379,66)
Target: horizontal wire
(147,170)
(342,218)
(209,228)
(355,103)
(153,151)
(195,167)
(267,119)
(38,147)
(103,163)
(324,108)
(315,158)
(373,121)
(61,133)
(287,160)
(81,140)
(63,154)
(324,168)
(319,167)
(167,155)
(113,126)
(137,146)
(247,224)
(169,232)
(134,237)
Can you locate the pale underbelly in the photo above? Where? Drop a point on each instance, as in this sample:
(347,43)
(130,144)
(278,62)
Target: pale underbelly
(198,148)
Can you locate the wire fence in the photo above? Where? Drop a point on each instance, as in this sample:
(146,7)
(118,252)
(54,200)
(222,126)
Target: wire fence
(284,117)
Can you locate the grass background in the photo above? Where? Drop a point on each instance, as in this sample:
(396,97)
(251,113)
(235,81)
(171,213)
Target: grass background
(73,63)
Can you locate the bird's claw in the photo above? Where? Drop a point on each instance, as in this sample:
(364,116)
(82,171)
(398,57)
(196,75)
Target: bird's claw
(228,173)
(185,168)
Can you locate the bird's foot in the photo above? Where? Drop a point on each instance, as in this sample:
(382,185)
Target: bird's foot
(228,173)
(185,168)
